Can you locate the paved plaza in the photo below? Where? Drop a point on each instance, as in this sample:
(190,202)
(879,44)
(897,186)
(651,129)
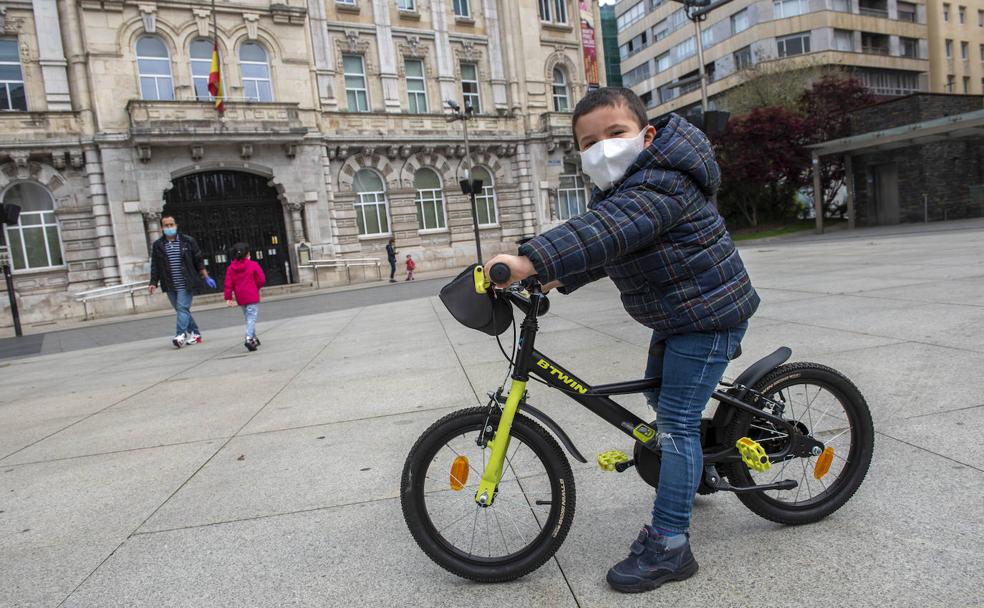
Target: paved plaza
(136,475)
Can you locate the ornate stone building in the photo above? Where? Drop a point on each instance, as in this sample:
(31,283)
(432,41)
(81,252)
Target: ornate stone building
(335,132)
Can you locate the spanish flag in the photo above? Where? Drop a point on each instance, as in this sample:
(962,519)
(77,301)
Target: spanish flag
(215,80)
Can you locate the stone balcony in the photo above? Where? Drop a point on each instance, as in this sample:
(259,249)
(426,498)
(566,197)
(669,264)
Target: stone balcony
(557,124)
(39,129)
(181,122)
(418,127)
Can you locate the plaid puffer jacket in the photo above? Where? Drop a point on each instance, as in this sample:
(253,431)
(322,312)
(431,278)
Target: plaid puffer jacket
(659,239)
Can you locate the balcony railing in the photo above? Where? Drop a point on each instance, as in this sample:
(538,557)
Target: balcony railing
(874,50)
(192,120)
(873,12)
(38,127)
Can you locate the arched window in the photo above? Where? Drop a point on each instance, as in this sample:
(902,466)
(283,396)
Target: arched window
(154,67)
(488,214)
(201,66)
(561,93)
(572,198)
(430,200)
(256,72)
(34,241)
(371,213)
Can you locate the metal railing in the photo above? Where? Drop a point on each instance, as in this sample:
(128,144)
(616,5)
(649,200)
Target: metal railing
(347,264)
(873,12)
(107,292)
(874,50)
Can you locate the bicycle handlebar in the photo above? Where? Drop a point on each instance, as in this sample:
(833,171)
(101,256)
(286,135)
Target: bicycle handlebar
(500,273)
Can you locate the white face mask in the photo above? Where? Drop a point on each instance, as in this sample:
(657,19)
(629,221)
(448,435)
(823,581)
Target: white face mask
(606,161)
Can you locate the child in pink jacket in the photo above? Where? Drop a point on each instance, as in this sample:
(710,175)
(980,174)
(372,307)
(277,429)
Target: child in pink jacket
(244,277)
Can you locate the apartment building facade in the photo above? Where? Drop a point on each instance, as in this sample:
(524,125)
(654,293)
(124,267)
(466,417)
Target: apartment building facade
(956,46)
(884,43)
(334,136)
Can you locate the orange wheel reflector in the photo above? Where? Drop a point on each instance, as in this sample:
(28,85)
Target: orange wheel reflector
(823,463)
(459,473)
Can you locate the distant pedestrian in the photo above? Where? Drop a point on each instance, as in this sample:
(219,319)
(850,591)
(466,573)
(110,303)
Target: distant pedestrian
(410,266)
(244,278)
(391,258)
(177,265)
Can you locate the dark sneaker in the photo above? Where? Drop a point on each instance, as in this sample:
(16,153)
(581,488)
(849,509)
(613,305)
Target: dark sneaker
(257,340)
(251,344)
(650,563)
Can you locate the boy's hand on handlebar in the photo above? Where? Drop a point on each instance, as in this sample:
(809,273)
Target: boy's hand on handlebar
(520,267)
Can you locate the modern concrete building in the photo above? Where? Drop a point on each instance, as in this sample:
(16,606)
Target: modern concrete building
(882,42)
(335,133)
(956,46)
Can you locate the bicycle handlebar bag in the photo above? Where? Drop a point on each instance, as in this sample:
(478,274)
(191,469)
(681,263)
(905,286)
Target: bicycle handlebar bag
(485,312)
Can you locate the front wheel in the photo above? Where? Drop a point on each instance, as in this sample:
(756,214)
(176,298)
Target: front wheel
(529,518)
(822,403)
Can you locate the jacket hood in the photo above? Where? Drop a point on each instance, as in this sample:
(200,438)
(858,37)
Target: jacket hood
(239,266)
(680,147)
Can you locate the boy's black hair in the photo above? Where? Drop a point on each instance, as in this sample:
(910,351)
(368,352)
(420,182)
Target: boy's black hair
(609,97)
(239,251)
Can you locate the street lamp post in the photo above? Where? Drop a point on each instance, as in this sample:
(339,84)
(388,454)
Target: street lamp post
(9,214)
(468,186)
(697,11)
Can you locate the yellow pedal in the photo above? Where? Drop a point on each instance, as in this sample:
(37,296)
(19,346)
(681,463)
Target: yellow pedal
(608,460)
(753,455)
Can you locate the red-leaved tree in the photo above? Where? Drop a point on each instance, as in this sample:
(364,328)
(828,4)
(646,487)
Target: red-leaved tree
(763,162)
(825,107)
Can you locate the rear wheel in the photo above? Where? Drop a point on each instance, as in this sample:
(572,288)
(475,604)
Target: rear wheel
(530,515)
(821,403)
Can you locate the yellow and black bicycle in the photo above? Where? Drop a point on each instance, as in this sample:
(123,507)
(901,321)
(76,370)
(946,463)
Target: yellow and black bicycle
(488,493)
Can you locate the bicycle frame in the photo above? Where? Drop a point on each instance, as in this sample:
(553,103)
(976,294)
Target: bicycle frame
(597,399)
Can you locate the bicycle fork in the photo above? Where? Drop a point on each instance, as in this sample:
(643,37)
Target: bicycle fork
(492,474)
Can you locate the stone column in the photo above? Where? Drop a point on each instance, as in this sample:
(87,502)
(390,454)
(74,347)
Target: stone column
(152,228)
(387,54)
(499,93)
(79,84)
(105,239)
(326,157)
(296,222)
(514,51)
(324,70)
(527,196)
(445,59)
(52,56)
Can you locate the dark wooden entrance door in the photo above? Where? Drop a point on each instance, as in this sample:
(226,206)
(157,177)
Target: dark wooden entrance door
(221,208)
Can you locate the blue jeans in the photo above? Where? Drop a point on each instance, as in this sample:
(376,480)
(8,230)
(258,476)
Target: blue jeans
(691,365)
(250,311)
(181,303)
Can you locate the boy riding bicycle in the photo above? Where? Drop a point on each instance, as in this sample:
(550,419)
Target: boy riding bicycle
(652,229)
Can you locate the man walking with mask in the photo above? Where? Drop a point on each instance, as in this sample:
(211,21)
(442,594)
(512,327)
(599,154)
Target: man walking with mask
(176,264)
